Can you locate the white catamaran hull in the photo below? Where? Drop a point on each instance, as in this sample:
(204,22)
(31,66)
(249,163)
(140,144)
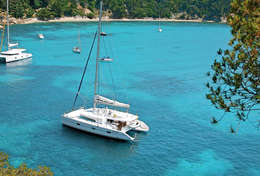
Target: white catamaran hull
(95,129)
(14,58)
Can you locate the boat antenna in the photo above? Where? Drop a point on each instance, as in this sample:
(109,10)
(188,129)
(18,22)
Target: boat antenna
(98,49)
(85,68)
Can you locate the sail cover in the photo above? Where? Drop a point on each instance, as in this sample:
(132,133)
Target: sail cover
(103,100)
(12,44)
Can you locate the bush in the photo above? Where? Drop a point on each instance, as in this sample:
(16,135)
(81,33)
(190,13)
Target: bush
(17,9)
(182,17)
(29,13)
(7,169)
(90,15)
(44,14)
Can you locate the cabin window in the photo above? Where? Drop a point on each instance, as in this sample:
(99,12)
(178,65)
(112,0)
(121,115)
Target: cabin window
(93,128)
(108,131)
(86,118)
(78,123)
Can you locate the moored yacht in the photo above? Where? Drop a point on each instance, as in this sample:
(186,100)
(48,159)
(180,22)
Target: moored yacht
(77,49)
(40,36)
(106,117)
(12,54)
(105,122)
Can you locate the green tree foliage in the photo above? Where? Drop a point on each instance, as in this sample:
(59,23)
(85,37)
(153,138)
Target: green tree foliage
(17,8)
(35,4)
(57,7)
(90,15)
(44,14)
(206,9)
(29,12)
(235,85)
(7,170)
(117,7)
(2,5)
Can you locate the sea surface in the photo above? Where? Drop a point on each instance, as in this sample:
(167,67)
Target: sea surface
(163,77)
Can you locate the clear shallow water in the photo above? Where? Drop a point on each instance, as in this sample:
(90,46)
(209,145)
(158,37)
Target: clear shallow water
(162,76)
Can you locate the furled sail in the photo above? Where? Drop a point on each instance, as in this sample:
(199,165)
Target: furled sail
(12,44)
(103,100)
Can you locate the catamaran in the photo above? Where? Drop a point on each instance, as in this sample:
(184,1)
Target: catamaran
(12,54)
(106,117)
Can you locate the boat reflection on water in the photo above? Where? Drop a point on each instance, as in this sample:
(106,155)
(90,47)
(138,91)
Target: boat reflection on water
(20,63)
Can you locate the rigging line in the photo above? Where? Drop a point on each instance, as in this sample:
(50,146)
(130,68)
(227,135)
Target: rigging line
(100,76)
(111,47)
(123,85)
(114,56)
(85,68)
(99,79)
(103,45)
(105,48)
(113,82)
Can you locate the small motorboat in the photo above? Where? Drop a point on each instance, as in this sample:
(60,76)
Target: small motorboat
(76,50)
(40,36)
(103,34)
(139,125)
(106,59)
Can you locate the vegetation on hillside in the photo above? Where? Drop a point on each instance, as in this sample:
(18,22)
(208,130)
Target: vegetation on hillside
(22,170)
(183,9)
(235,76)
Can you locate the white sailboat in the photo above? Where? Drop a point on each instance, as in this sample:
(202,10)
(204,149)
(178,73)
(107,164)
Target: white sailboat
(101,119)
(77,49)
(12,54)
(40,36)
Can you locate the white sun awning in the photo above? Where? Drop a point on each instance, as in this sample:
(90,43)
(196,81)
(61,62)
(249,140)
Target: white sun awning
(103,100)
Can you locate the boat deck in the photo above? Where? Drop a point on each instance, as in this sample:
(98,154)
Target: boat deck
(99,117)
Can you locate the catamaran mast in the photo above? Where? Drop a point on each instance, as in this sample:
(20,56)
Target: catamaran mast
(98,48)
(7,18)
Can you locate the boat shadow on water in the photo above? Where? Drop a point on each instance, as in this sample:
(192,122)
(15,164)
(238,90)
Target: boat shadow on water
(70,131)
(123,148)
(19,63)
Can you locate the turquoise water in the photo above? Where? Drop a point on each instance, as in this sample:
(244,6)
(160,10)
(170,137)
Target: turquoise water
(162,76)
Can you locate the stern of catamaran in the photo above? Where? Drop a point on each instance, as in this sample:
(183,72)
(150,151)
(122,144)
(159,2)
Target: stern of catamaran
(2,59)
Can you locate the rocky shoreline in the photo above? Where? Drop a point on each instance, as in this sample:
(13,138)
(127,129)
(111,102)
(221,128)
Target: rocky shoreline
(85,19)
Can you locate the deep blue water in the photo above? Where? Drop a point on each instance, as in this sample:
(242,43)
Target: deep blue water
(162,76)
